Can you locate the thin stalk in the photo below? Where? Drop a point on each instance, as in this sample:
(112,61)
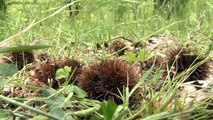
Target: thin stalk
(84,112)
(27,107)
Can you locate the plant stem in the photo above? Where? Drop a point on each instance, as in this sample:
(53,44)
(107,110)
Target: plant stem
(27,107)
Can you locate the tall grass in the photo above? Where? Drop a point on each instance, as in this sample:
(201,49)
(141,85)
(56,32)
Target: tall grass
(2,9)
(98,20)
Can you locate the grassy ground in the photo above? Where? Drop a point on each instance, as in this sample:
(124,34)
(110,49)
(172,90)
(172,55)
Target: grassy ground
(99,21)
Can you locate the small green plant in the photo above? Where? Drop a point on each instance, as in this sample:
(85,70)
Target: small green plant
(63,73)
(110,111)
(7,69)
(140,56)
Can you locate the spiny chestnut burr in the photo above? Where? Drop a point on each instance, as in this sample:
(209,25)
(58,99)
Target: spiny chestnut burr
(182,58)
(44,73)
(75,67)
(118,47)
(19,58)
(157,61)
(104,80)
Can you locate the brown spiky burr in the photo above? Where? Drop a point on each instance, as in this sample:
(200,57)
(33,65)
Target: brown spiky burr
(118,47)
(75,68)
(104,80)
(19,58)
(157,61)
(44,73)
(182,58)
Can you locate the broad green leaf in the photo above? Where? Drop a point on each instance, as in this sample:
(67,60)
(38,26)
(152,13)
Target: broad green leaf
(7,69)
(60,74)
(57,112)
(55,100)
(95,117)
(23,48)
(68,118)
(130,56)
(149,55)
(63,72)
(141,55)
(107,109)
(144,56)
(78,91)
(46,92)
(67,69)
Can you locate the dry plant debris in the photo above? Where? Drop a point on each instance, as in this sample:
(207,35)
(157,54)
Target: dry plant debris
(160,42)
(119,45)
(43,56)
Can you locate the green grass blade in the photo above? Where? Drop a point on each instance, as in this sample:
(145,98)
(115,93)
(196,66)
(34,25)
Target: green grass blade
(23,48)
(28,107)
(156,116)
